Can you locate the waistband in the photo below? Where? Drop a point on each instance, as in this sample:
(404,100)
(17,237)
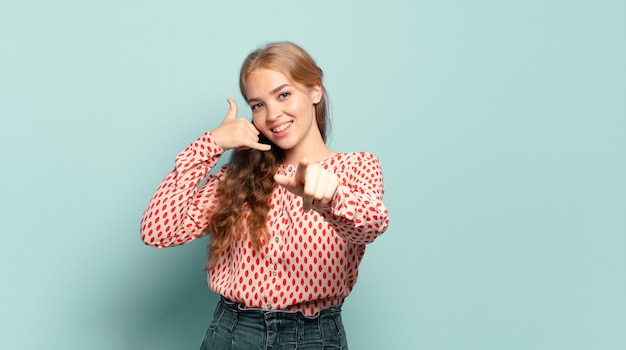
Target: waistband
(283,314)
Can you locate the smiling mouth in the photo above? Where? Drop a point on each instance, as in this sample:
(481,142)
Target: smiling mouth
(281,128)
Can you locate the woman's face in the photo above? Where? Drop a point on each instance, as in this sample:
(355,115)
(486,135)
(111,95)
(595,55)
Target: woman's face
(283,110)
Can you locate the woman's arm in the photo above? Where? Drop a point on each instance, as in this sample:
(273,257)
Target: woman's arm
(347,192)
(178,210)
(357,212)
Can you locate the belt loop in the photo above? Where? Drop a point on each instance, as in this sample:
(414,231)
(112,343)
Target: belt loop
(320,330)
(300,329)
(219,311)
(233,313)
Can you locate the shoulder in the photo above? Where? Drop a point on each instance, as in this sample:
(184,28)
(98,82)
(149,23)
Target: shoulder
(352,162)
(353,158)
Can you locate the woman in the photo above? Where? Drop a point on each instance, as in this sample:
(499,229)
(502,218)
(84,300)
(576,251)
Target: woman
(288,218)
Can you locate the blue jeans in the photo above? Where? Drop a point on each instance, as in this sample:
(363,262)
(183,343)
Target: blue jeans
(234,327)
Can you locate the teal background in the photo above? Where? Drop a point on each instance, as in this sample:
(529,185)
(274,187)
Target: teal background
(500,126)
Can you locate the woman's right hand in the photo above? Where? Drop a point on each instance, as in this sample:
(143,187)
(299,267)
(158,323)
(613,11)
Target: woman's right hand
(237,133)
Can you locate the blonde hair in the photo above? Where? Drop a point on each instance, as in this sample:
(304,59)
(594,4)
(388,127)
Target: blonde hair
(244,193)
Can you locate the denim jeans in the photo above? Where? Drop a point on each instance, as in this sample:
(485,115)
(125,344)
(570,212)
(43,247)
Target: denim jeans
(234,327)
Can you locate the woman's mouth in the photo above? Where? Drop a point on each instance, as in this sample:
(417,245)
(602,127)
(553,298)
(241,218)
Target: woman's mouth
(281,128)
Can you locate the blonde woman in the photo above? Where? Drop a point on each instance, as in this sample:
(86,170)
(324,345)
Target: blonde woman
(288,218)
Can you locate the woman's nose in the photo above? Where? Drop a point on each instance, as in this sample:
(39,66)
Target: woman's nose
(273,111)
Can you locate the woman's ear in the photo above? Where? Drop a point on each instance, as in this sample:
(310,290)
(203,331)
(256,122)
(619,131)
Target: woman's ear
(316,94)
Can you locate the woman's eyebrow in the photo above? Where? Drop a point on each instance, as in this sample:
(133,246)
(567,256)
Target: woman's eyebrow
(277,89)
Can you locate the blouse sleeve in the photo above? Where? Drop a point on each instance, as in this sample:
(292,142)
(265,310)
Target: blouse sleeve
(178,209)
(357,212)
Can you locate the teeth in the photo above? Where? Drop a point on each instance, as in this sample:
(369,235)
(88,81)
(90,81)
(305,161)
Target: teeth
(282,127)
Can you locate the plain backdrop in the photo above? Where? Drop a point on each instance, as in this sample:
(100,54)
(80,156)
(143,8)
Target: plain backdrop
(500,126)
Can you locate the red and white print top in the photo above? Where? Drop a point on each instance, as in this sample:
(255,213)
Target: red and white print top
(311,260)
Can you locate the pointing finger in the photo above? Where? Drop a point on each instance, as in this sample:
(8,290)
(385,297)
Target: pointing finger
(312,183)
(301,172)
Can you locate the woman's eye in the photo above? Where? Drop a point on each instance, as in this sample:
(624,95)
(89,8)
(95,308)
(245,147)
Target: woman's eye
(256,106)
(284,95)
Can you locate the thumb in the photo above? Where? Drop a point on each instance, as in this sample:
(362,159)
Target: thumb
(283,180)
(232,109)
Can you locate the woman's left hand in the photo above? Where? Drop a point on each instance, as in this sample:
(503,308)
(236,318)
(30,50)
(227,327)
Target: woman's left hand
(314,184)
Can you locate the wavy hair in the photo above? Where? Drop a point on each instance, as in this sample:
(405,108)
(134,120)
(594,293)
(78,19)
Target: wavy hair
(244,193)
